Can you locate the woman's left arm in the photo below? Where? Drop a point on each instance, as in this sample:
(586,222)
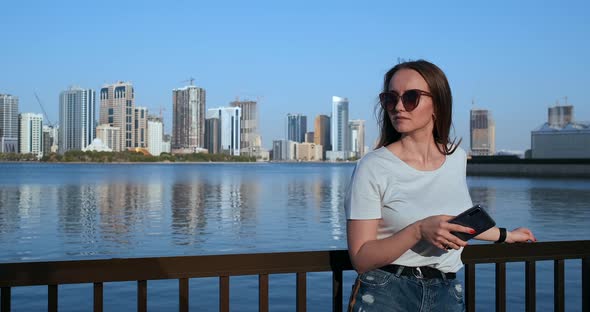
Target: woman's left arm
(518,235)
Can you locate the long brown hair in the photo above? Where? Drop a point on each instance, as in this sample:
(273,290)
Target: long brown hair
(442,101)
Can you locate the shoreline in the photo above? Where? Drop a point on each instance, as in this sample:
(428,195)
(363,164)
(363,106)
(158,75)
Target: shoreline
(578,169)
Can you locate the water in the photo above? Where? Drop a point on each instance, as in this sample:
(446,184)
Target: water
(94,211)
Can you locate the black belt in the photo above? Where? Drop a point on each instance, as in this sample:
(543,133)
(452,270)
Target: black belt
(419,272)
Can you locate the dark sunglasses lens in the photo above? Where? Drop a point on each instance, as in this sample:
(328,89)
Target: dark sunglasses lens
(388,101)
(410,99)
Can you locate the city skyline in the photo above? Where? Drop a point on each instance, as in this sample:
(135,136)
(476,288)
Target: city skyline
(515,59)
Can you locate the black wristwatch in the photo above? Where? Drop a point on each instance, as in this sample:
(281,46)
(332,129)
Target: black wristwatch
(502,237)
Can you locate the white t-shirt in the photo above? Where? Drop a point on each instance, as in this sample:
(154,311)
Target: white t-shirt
(384,187)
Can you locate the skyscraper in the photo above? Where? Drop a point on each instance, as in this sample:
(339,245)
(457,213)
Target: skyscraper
(212,130)
(155,135)
(296,127)
(322,133)
(117,109)
(77,118)
(188,119)
(250,138)
(140,126)
(339,129)
(357,137)
(229,125)
(483,133)
(8,123)
(30,132)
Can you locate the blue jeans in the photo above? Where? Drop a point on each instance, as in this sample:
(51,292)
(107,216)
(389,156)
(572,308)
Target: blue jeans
(379,290)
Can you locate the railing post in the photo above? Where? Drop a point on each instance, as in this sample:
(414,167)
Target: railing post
(558,285)
(142,296)
(183,298)
(98,297)
(52,298)
(301,292)
(531,286)
(500,287)
(224,293)
(586,284)
(337,290)
(470,287)
(5,297)
(263,293)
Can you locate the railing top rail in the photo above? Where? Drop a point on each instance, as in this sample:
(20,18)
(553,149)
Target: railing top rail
(133,269)
(485,253)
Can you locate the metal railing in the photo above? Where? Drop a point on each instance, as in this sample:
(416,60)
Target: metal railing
(57,273)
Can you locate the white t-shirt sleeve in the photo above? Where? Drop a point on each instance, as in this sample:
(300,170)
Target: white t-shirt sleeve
(363,198)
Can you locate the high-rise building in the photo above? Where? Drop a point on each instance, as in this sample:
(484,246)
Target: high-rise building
(155,135)
(117,109)
(322,133)
(483,133)
(559,116)
(212,131)
(8,123)
(50,139)
(140,126)
(77,118)
(250,141)
(229,128)
(296,127)
(339,130)
(357,137)
(188,118)
(110,136)
(30,134)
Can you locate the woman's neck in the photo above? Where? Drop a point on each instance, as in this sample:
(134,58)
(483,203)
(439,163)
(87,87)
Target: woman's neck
(418,149)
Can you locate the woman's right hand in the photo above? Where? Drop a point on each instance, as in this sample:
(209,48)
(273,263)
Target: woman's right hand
(437,231)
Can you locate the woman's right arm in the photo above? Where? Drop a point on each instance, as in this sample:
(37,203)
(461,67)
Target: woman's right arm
(367,252)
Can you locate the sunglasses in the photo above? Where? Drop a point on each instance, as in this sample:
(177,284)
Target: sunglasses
(410,99)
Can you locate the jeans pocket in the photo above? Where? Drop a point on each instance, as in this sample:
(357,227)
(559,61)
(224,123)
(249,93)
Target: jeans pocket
(375,278)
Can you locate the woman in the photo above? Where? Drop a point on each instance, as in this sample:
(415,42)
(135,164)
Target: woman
(402,196)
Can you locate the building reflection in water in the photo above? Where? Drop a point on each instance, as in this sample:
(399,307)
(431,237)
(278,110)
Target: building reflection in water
(10,218)
(124,211)
(484,196)
(28,211)
(206,208)
(297,203)
(330,191)
(77,216)
(338,185)
(563,207)
(188,212)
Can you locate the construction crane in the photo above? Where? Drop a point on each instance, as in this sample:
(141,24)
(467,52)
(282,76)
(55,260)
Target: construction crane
(44,112)
(191,80)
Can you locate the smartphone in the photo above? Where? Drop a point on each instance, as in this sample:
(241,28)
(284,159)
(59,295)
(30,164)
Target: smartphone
(476,218)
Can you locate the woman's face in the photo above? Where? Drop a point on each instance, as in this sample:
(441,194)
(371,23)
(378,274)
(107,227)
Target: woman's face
(419,119)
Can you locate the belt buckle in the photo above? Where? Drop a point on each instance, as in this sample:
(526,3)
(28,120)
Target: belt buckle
(419,274)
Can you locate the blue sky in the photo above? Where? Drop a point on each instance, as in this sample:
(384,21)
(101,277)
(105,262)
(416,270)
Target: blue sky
(515,58)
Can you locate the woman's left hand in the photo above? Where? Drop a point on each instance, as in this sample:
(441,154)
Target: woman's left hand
(520,235)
